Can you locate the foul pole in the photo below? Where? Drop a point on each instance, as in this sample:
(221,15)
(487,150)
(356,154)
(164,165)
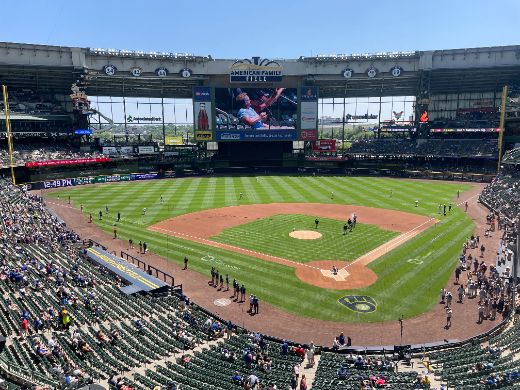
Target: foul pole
(9,135)
(502,125)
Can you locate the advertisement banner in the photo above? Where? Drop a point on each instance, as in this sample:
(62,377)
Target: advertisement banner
(58,183)
(98,179)
(203,136)
(308,108)
(324,145)
(325,158)
(309,94)
(202,94)
(83,132)
(76,161)
(202,109)
(126,150)
(468,130)
(144,176)
(173,140)
(118,150)
(112,178)
(202,116)
(389,129)
(110,151)
(309,115)
(78,181)
(258,135)
(146,150)
(309,135)
(255,70)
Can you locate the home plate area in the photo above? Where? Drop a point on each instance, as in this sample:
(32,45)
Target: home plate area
(340,276)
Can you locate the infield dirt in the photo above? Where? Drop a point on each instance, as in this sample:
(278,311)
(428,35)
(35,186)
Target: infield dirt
(200,226)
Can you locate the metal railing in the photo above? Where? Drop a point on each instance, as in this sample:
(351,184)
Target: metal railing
(151,270)
(90,243)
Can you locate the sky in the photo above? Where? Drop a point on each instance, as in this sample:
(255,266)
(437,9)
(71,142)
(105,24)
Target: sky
(269,29)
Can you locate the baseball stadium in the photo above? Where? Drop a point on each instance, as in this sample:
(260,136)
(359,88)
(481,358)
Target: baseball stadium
(178,221)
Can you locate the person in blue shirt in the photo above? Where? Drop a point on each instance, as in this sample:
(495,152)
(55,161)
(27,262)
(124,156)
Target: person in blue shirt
(236,378)
(342,339)
(342,371)
(248,115)
(285,348)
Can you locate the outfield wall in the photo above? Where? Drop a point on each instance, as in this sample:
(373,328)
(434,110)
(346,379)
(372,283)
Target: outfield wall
(409,174)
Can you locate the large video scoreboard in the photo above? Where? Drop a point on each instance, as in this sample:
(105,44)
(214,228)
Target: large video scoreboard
(255,113)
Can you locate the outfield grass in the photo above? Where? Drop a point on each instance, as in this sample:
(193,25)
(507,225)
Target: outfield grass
(403,288)
(271,236)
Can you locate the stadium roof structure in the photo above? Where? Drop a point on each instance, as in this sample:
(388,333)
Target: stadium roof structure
(111,72)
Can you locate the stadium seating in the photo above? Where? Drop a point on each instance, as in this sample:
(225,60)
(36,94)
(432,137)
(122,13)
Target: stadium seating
(360,372)
(426,147)
(33,151)
(503,193)
(147,341)
(475,367)
(27,101)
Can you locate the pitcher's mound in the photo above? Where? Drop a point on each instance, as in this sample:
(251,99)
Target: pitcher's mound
(305,234)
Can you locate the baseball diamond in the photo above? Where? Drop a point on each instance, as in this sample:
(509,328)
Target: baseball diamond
(200,216)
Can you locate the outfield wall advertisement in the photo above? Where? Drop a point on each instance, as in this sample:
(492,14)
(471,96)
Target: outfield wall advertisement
(79,181)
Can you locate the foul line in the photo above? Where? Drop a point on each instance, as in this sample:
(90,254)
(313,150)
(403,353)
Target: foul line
(235,249)
(387,247)
(392,244)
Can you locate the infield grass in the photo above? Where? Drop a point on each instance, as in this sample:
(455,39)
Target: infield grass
(403,287)
(271,236)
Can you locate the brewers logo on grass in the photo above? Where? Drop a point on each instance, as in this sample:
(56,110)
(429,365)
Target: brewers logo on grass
(359,303)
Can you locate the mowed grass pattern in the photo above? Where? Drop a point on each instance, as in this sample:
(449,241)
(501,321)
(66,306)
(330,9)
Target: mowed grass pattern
(403,288)
(271,236)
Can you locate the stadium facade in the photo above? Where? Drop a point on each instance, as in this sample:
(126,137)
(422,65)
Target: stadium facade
(436,100)
(460,112)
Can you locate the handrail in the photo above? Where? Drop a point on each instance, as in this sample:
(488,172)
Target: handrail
(166,277)
(92,243)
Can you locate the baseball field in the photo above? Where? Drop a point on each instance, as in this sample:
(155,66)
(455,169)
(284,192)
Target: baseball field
(393,262)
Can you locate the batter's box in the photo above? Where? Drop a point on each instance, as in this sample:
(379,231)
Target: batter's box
(340,276)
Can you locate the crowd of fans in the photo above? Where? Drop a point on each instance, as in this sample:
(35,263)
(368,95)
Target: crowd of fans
(466,118)
(426,147)
(491,284)
(66,320)
(27,101)
(32,152)
(503,193)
